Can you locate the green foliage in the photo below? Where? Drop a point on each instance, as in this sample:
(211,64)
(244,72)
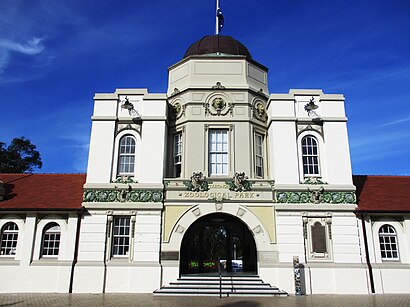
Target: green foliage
(19,157)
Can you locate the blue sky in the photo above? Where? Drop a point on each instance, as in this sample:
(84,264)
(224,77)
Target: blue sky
(55,54)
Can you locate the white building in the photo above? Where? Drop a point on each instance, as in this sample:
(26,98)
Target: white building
(217,172)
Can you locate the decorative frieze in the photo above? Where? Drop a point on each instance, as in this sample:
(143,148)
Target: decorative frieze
(316,197)
(122,195)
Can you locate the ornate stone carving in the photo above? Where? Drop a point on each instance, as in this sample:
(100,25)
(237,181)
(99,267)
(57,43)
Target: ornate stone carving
(259,111)
(316,195)
(177,109)
(307,197)
(240,183)
(218,107)
(313,180)
(197,183)
(124,179)
(218,86)
(126,194)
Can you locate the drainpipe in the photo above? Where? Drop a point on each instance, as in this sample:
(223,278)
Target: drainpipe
(366,248)
(77,243)
(107,238)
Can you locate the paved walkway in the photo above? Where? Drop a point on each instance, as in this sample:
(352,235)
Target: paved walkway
(147,300)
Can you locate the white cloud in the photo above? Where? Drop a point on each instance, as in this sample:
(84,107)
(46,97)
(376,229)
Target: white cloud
(395,122)
(32,47)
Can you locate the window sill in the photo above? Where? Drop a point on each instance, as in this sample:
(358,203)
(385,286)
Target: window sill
(51,262)
(9,261)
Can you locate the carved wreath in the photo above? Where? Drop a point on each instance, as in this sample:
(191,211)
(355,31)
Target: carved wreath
(218,107)
(259,111)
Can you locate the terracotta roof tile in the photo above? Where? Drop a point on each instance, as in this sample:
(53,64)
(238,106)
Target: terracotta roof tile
(42,191)
(382,193)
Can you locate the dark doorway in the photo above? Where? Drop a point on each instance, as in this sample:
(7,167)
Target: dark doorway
(218,238)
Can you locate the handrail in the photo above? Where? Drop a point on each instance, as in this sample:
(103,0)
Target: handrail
(220,278)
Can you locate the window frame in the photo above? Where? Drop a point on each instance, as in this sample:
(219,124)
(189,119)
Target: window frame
(261,155)
(213,153)
(126,154)
(48,231)
(128,236)
(389,235)
(313,156)
(177,152)
(14,233)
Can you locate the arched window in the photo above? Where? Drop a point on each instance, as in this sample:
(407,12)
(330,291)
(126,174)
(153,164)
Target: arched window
(9,235)
(388,243)
(310,156)
(126,155)
(51,240)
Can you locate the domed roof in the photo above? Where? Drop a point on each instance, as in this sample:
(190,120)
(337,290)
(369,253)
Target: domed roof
(213,44)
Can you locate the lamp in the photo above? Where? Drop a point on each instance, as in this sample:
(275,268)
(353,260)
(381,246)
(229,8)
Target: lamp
(127,105)
(310,107)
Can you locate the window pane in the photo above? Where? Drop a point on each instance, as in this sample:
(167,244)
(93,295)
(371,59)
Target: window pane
(310,157)
(218,152)
(51,240)
(388,243)
(126,158)
(121,234)
(8,239)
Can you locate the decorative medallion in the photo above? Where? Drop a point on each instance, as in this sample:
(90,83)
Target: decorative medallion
(177,109)
(259,111)
(218,107)
(240,183)
(197,182)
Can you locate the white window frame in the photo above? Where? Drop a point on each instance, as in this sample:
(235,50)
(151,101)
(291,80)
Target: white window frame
(124,155)
(386,240)
(55,242)
(216,155)
(177,145)
(114,246)
(325,222)
(259,154)
(15,237)
(310,156)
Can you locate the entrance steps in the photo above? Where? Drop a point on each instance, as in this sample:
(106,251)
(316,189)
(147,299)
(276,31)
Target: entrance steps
(238,285)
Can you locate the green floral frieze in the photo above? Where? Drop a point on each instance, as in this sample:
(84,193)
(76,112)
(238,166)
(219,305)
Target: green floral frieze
(122,196)
(314,197)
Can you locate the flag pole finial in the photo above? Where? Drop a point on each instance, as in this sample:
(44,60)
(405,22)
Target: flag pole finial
(219,19)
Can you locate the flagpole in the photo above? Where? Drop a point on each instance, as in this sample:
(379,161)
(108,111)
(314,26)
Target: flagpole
(216,18)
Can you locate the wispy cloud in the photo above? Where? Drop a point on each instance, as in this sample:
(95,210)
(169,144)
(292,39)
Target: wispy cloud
(31,47)
(396,122)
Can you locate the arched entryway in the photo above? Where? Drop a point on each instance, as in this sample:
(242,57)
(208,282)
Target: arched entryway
(218,237)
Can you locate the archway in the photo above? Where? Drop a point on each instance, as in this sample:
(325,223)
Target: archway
(217,238)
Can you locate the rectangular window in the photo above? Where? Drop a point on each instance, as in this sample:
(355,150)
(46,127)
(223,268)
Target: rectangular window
(218,152)
(259,155)
(177,154)
(121,236)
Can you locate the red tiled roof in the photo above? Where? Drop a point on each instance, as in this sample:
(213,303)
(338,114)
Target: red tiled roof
(42,191)
(382,193)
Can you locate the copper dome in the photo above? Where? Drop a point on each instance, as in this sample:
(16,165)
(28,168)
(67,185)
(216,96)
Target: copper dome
(214,44)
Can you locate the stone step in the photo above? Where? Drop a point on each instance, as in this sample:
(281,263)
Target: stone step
(226,286)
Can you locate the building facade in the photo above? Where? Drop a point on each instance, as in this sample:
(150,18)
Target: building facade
(218,174)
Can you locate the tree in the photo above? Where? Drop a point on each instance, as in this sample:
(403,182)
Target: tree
(19,157)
